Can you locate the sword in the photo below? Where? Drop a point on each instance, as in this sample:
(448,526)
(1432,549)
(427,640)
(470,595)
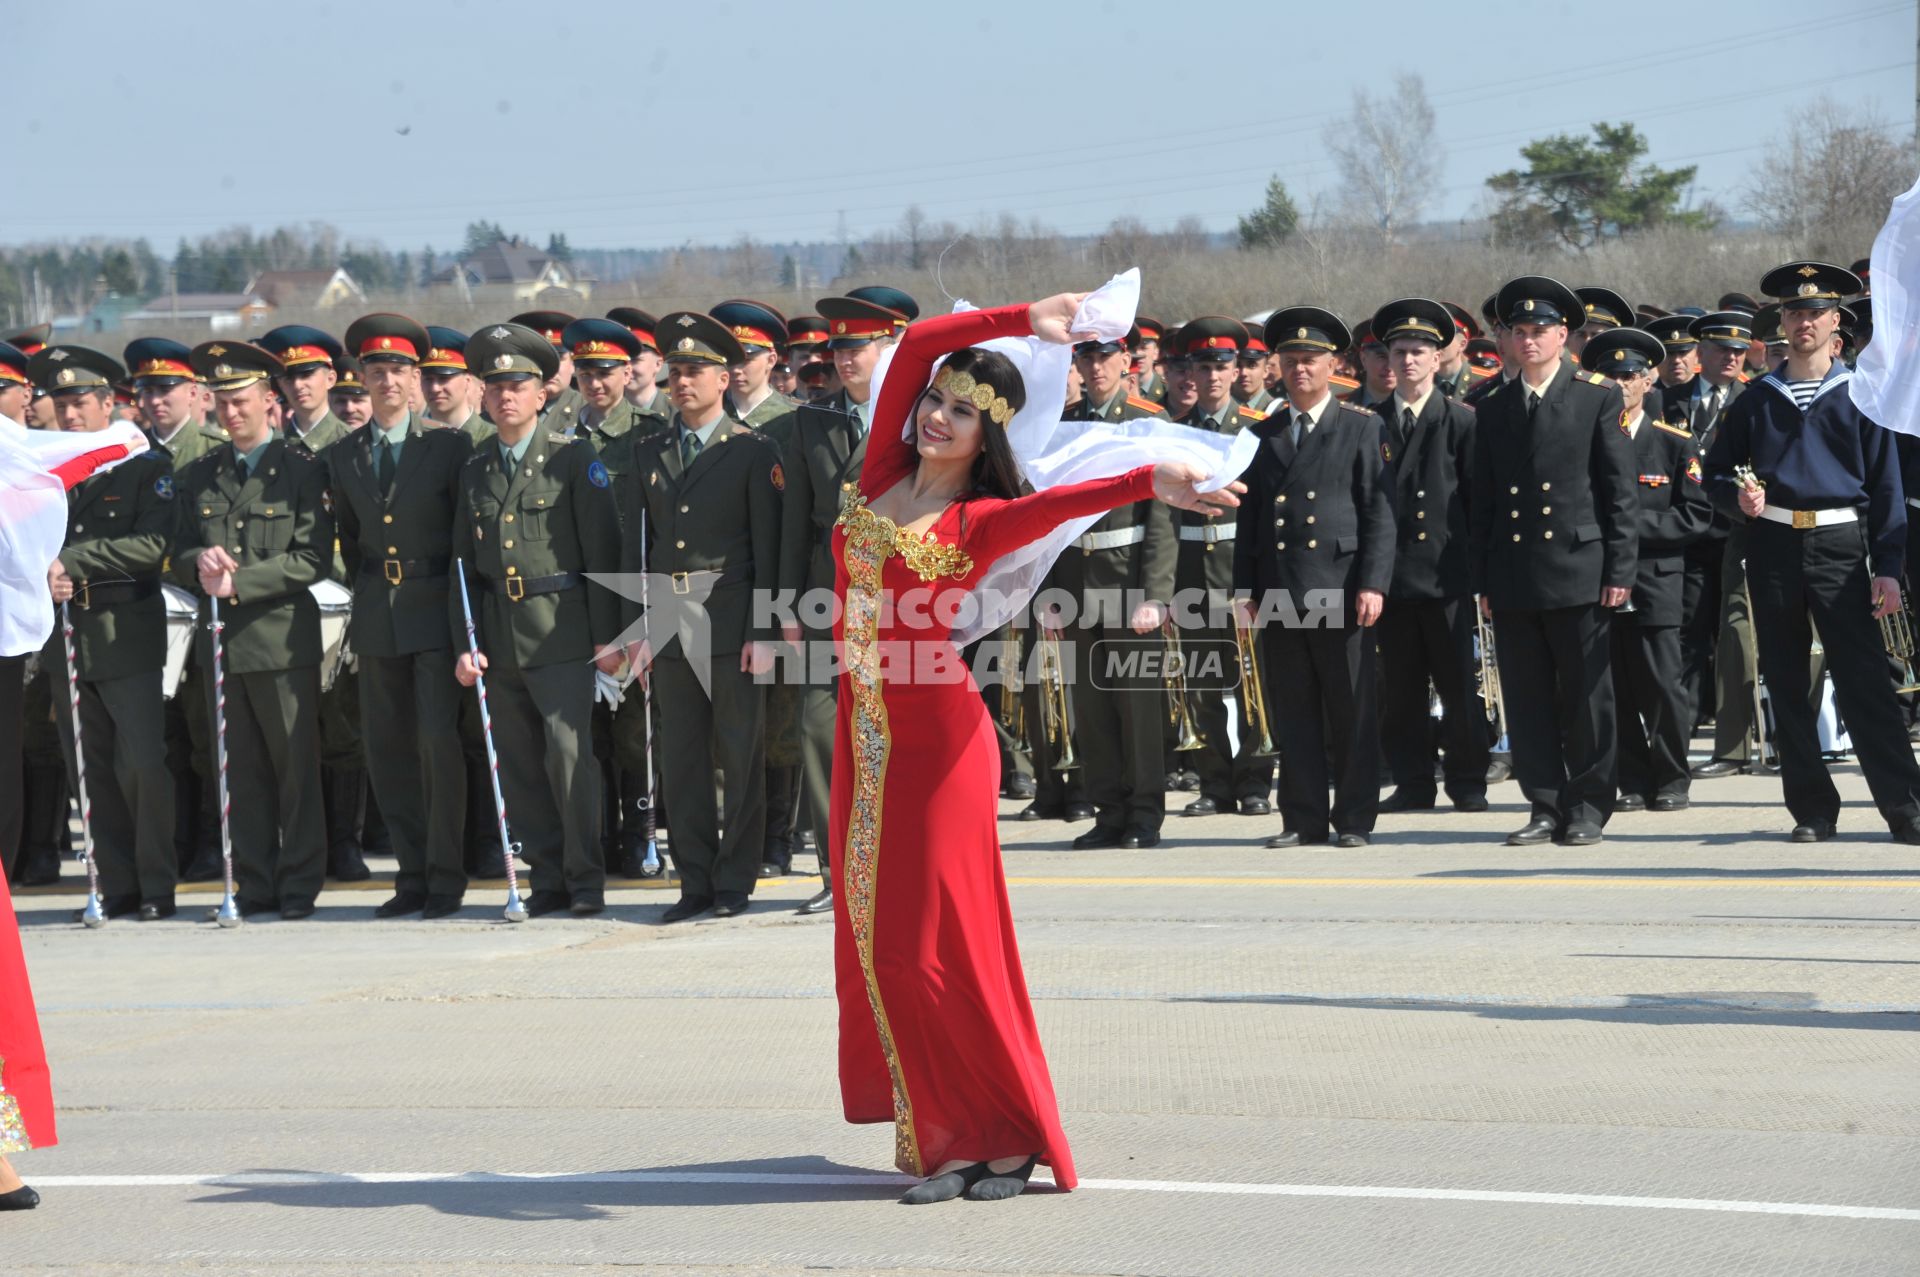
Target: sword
(93,915)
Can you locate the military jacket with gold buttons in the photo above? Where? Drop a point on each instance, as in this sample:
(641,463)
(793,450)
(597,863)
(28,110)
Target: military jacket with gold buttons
(189,443)
(614,439)
(1553,514)
(1431,471)
(1673,513)
(719,518)
(772,417)
(826,452)
(550,519)
(1322,521)
(1145,565)
(119,529)
(326,432)
(398,548)
(1206,545)
(277,523)
(561,415)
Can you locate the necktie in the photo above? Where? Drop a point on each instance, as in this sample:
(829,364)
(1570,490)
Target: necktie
(689,448)
(1406,425)
(383,465)
(1302,427)
(1533,404)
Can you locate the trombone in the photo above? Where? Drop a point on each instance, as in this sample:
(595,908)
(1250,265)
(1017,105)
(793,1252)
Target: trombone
(1253,693)
(1180,705)
(1055,711)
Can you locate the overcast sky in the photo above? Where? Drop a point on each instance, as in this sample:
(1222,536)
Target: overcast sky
(640,125)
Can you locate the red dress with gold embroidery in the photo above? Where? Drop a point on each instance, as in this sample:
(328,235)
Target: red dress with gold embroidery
(936,1032)
(26,1098)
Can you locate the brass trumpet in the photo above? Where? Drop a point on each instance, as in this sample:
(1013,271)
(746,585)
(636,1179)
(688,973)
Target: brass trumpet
(1056,713)
(1896,634)
(1180,706)
(1013,708)
(1253,693)
(1488,672)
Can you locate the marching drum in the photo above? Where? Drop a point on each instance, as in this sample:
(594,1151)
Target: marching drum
(182,611)
(336,605)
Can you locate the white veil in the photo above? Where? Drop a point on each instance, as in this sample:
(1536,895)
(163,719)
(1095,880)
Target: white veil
(1052,452)
(1886,380)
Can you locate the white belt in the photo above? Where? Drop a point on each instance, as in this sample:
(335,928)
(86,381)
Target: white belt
(1804,519)
(1112,540)
(1208,532)
(1914,502)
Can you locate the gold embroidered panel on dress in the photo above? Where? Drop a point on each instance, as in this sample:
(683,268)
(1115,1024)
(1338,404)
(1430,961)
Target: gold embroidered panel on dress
(13,1127)
(869,541)
(927,557)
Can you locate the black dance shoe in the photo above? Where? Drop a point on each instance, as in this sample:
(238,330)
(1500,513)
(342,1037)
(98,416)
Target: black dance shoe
(24,1198)
(997,1188)
(944,1188)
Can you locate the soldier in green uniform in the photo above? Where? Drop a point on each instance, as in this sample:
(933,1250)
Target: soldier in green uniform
(119,523)
(709,491)
(603,351)
(1250,375)
(168,396)
(1147,382)
(535,517)
(824,458)
(562,408)
(452,393)
(255,530)
(1230,777)
(394,486)
(751,399)
(644,392)
(1121,571)
(307,354)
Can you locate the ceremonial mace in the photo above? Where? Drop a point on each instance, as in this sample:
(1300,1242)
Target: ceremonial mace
(228,914)
(516,911)
(93,915)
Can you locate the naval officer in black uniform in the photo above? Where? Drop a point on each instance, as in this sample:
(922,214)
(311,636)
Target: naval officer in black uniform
(1827,545)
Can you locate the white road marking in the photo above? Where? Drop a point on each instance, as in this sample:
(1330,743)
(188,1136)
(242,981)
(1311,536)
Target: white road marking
(264,1179)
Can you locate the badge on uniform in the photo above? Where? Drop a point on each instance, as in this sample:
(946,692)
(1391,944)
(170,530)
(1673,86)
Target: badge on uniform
(163,487)
(653,477)
(1386,451)
(597,474)
(326,500)
(1693,469)
(779,478)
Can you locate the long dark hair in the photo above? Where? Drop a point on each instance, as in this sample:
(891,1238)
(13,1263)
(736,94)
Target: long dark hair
(995,472)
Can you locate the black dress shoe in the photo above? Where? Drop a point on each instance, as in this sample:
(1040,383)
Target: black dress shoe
(1715,768)
(204,868)
(1019,786)
(1034,811)
(1630,802)
(441,905)
(1533,833)
(1255,807)
(1290,838)
(1581,833)
(402,904)
(818,902)
(1401,800)
(587,903)
(348,865)
(1668,802)
(770,870)
(545,902)
(1498,770)
(729,904)
(1351,840)
(1079,811)
(24,1198)
(1201,806)
(1473,802)
(296,908)
(155,910)
(1813,831)
(1098,836)
(1140,837)
(1909,834)
(687,907)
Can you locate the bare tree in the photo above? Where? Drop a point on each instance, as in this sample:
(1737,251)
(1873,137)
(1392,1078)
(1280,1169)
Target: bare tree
(913,228)
(1830,182)
(1387,156)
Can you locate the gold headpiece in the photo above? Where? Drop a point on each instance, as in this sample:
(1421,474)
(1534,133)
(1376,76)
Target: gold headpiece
(961,385)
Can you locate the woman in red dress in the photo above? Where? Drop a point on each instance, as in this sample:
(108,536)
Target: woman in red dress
(936,1032)
(26,1099)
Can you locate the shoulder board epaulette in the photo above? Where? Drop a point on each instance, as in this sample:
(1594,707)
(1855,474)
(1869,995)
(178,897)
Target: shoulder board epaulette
(1348,382)
(1591,378)
(216,432)
(478,457)
(1144,405)
(1252,414)
(299,450)
(557,438)
(1682,431)
(1745,377)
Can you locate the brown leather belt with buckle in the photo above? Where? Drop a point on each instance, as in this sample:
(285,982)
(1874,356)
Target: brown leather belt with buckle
(683,581)
(395,571)
(517,588)
(87,596)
